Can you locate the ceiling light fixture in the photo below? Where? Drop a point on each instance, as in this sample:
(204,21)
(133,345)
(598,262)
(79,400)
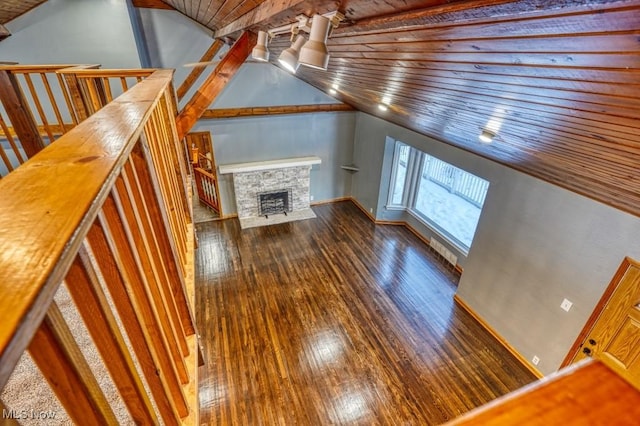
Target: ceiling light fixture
(289,57)
(384,105)
(314,53)
(315,50)
(334,89)
(486,136)
(260,51)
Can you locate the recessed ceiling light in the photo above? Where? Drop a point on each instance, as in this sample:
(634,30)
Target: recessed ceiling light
(383,107)
(486,136)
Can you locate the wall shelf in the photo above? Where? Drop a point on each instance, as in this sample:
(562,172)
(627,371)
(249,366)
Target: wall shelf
(350,167)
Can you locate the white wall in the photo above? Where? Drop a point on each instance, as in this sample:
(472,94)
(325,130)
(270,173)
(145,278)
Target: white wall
(535,244)
(73,32)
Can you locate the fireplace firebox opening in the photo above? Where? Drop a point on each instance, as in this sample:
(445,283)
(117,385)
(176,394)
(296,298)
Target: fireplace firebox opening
(275,202)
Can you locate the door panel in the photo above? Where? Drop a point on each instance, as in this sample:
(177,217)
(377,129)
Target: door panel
(615,336)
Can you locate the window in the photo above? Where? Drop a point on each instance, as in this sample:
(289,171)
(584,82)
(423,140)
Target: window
(447,199)
(399,175)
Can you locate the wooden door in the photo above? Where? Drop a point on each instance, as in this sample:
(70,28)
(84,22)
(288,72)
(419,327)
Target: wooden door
(613,335)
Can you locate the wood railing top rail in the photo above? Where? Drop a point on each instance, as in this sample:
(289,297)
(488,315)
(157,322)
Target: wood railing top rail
(49,203)
(20,68)
(90,73)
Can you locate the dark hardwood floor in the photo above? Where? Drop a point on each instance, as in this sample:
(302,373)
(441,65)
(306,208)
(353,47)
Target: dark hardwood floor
(336,320)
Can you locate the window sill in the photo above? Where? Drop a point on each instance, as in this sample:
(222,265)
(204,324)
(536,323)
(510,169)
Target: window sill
(439,232)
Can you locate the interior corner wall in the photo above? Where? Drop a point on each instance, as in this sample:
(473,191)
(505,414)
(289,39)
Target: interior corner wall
(535,244)
(173,40)
(73,32)
(326,135)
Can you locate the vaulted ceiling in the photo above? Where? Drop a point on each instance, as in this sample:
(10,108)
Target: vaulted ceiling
(558,81)
(11,9)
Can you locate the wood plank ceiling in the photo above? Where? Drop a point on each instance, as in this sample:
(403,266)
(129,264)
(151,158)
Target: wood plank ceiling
(11,9)
(558,81)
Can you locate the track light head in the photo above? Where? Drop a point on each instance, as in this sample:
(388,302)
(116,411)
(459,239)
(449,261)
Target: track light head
(314,53)
(289,57)
(260,51)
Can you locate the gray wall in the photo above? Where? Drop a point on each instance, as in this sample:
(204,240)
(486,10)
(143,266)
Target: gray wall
(535,244)
(173,40)
(72,31)
(327,135)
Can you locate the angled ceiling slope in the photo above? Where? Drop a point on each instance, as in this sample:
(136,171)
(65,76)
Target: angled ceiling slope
(556,82)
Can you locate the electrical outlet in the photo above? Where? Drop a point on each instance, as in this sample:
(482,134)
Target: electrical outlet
(535,360)
(311,197)
(566,304)
(370,209)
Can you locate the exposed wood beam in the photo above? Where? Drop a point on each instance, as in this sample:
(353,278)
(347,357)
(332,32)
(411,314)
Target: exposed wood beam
(4,32)
(19,114)
(214,84)
(152,4)
(257,15)
(274,110)
(196,72)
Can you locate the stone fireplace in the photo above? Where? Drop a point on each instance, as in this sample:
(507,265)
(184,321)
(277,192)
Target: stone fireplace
(269,192)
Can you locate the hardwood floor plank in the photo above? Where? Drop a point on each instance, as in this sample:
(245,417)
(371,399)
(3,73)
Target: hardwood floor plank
(337,321)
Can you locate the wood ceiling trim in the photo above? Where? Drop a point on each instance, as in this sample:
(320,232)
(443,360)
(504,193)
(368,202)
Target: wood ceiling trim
(12,9)
(152,4)
(507,15)
(258,15)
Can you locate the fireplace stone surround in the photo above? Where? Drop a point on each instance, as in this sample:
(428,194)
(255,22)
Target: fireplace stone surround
(252,179)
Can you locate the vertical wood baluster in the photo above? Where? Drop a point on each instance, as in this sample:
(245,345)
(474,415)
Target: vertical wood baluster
(165,281)
(67,99)
(38,104)
(147,179)
(173,159)
(174,179)
(54,103)
(107,88)
(116,265)
(11,140)
(80,103)
(174,149)
(84,287)
(132,218)
(59,358)
(19,114)
(125,245)
(123,83)
(166,176)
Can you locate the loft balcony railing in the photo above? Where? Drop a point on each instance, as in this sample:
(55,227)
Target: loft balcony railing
(104,211)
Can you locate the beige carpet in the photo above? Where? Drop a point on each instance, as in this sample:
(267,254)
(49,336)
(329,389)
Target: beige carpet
(28,393)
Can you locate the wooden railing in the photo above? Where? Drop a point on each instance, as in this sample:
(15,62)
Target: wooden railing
(105,209)
(207,186)
(43,102)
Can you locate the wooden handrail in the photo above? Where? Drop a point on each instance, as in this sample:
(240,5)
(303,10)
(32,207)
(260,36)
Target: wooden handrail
(115,185)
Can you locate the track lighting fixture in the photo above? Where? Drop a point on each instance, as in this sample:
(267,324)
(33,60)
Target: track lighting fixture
(260,51)
(289,57)
(314,53)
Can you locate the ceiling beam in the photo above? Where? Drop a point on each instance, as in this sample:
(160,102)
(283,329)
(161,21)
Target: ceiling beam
(152,4)
(215,83)
(274,110)
(258,15)
(198,70)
